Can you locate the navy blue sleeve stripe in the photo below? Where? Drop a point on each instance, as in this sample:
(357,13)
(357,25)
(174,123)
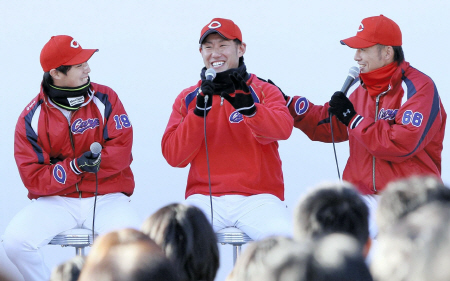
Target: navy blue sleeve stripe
(31,134)
(411,88)
(254,95)
(190,97)
(435,107)
(108,109)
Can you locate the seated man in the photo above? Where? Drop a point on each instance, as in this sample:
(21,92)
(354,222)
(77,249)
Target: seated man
(243,117)
(52,151)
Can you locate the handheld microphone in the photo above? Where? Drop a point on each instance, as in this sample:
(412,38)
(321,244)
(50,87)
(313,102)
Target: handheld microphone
(210,74)
(353,73)
(95,148)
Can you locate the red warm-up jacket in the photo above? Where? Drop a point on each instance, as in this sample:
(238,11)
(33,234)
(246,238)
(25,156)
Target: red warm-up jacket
(243,151)
(46,142)
(394,135)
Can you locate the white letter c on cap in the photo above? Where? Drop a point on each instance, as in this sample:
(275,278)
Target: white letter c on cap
(361,27)
(214,25)
(74,44)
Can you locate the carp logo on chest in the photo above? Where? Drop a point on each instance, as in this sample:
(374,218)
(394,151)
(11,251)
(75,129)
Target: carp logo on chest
(79,126)
(387,114)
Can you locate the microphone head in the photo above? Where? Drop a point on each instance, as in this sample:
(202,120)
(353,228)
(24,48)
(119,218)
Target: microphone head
(353,72)
(96,148)
(210,74)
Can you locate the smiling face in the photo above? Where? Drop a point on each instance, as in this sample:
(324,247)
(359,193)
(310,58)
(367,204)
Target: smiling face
(374,57)
(221,54)
(76,76)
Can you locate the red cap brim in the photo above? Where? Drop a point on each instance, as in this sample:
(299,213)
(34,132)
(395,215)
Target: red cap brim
(356,42)
(81,57)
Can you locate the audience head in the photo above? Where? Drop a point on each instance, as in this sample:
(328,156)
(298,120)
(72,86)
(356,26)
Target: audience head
(252,263)
(187,239)
(432,259)
(133,261)
(99,256)
(410,248)
(328,258)
(102,245)
(69,270)
(406,195)
(332,208)
(337,257)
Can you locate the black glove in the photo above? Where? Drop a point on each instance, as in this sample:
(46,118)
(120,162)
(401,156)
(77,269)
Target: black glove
(242,100)
(288,99)
(88,163)
(206,89)
(341,107)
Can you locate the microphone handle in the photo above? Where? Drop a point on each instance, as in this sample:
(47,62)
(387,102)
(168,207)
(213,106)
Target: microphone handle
(348,82)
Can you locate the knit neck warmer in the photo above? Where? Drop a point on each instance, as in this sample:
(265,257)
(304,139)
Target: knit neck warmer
(377,81)
(70,98)
(222,82)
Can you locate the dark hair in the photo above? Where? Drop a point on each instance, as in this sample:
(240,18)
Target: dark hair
(331,208)
(330,258)
(399,57)
(69,270)
(337,257)
(188,240)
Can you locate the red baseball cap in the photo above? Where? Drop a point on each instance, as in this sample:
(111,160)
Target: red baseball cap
(226,28)
(63,50)
(375,30)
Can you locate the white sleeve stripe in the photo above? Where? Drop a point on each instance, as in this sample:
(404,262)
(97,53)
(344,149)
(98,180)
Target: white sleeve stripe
(74,168)
(356,121)
(289,102)
(245,108)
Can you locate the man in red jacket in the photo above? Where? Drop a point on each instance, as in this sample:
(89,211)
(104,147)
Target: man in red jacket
(394,119)
(52,151)
(238,161)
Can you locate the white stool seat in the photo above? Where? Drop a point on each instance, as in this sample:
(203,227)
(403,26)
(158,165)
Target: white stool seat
(233,236)
(77,237)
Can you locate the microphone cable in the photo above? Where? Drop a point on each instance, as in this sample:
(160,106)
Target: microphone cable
(334,147)
(207,161)
(95,204)
(353,73)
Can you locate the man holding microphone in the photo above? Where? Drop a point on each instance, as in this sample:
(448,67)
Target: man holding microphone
(393,119)
(52,149)
(238,161)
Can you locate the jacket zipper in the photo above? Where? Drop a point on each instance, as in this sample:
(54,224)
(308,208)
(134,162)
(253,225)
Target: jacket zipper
(73,148)
(373,157)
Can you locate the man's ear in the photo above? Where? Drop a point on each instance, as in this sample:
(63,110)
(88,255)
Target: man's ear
(241,49)
(55,74)
(389,56)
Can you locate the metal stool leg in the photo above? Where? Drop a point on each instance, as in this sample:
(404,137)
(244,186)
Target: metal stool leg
(79,251)
(236,252)
(235,237)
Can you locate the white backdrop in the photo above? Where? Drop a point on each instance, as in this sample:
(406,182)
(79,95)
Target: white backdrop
(149,53)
